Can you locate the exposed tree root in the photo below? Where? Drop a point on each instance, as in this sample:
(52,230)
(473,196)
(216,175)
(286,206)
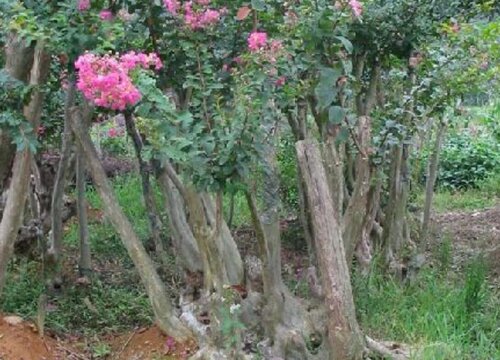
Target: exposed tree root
(386,349)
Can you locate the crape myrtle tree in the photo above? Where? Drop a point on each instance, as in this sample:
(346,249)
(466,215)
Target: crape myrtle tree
(206,89)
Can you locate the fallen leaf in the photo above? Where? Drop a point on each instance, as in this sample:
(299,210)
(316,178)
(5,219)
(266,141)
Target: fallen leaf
(243,13)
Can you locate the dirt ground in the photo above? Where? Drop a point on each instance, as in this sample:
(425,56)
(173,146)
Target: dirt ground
(470,233)
(19,340)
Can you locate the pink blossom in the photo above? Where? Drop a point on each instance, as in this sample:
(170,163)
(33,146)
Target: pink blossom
(256,41)
(280,81)
(172,6)
(113,133)
(195,14)
(106,15)
(83,5)
(356,7)
(105,80)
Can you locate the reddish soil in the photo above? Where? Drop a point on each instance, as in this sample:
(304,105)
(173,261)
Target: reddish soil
(22,342)
(147,344)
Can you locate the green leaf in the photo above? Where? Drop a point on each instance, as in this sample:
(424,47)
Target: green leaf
(347,44)
(336,115)
(258,5)
(342,136)
(326,90)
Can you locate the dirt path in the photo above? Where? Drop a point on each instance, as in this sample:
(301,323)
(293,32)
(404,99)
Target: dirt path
(473,233)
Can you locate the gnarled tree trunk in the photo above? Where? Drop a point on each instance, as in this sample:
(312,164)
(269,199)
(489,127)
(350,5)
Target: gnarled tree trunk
(18,63)
(13,214)
(185,247)
(345,337)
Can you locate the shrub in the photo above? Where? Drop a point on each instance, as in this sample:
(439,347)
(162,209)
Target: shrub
(466,160)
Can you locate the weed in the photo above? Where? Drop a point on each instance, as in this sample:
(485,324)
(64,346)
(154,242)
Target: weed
(447,316)
(101,350)
(443,254)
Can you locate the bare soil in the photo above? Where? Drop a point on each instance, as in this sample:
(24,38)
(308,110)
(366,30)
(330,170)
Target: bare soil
(473,234)
(22,342)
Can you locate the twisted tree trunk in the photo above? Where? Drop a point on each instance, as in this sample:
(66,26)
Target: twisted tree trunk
(186,250)
(18,63)
(13,213)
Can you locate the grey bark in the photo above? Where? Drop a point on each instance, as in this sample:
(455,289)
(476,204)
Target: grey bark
(18,63)
(393,234)
(344,335)
(356,219)
(431,181)
(152,211)
(185,247)
(220,257)
(55,241)
(13,213)
(85,261)
(164,313)
(222,264)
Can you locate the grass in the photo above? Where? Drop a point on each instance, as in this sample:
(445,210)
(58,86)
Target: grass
(114,301)
(485,196)
(448,315)
(445,316)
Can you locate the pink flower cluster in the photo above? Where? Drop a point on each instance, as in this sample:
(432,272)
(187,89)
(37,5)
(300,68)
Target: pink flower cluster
(106,15)
(256,41)
(83,5)
(196,14)
(356,7)
(105,80)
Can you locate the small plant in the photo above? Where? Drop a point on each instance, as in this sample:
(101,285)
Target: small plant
(444,254)
(101,350)
(474,289)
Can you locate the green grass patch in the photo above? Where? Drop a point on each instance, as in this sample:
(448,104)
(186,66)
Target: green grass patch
(487,195)
(446,317)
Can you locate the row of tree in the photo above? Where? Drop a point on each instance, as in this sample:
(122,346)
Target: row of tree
(361,86)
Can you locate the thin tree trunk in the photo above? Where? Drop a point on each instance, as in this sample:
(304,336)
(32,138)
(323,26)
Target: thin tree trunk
(13,213)
(85,261)
(53,257)
(345,337)
(393,235)
(356,212)
(431,181)
(184,244)
(154,219)
(164,313)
